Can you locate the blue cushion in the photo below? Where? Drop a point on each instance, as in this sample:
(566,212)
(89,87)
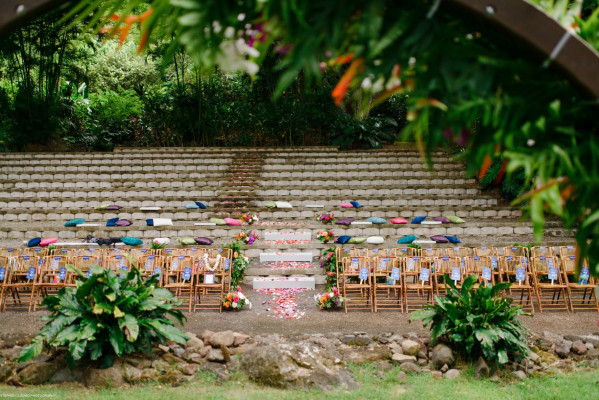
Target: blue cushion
(149,222)
(355,204)
(417,220)
(201,205)
(74,222)
(132,241)
(112,222)
(343,239)
(377,220)
(191,206)
(453,239)
(407,239)
(34,242)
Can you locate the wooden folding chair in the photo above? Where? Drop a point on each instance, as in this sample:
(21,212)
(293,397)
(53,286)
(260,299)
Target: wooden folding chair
(581,288)
(4,272)
(457,252)
(485,251)
(177,278)
(209,285)
(403,252)
(174,252)
(90,251)
(35,251)
(340,254)
(431,252)
(372,253)
(568,251)
(136,254)
(550,287)
(10,252)
(516,271)
(356,283)
(83,263)
(451,266)
(149,265)
(387,285)
(483,267)
(19,281)
(546,251)
(117,263)
(194,252)
(417,276)
(52,277)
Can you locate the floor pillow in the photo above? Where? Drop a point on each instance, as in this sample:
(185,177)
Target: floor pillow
(440,239)
(417,220)
(192,206)
(355,204)
(443,220)
(375,240)
(377,220)
(232,221)
(201,205)
(113,207)
(431,223)
(343,239)
(34,242)
(111,222)
(161,241)
(407,239)
(283,204)
(453,239)
(46,242)
(204,241)
(74,222)
(345,221)
(187,240)
(101,206)
(123,222)
(455,219)
(163,222)
(132,241)
(218,221)
(346,205)
(356,240)
(398,221)
(270,205)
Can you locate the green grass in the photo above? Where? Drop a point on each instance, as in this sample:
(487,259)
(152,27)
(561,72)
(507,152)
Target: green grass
(578,385)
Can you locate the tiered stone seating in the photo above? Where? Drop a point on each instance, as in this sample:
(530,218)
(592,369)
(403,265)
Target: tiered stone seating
(41,191)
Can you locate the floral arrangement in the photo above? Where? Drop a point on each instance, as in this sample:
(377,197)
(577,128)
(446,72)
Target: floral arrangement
(328,261)
(235,300)
(329,300)
(157,246)
(240,262)
(247,237)
(325,218)
(250,218)
(325,236)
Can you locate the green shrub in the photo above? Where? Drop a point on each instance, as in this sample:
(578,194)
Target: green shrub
(476,322)
(107,316)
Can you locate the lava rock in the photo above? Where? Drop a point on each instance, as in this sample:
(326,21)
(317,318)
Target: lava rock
(410,367)
(452,374)
(481,369)
(226,338)
(37,373)
(442,355)
(579,348)
(562,349)
(410,348)
(402,358)
(109,377)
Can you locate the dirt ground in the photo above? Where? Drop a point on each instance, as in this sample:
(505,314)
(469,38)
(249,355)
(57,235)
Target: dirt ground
(260,321)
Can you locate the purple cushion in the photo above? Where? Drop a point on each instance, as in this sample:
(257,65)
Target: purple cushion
(345,221)
(440,239)
(123,222)
(203,240)
(113,207)
(442,219)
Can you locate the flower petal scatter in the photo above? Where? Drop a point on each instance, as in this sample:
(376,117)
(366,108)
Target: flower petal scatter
(288,265)
(283,303)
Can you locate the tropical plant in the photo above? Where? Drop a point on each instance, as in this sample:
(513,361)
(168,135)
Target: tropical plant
(106,316)
(415,246)
(476,321)
(240,263)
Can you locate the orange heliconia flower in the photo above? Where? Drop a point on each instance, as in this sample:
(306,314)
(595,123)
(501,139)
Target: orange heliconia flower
(485,167)
(343,84)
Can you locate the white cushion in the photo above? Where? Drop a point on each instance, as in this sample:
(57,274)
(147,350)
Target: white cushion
(430,223)
(314,206)
(283,204)
(161,240)
(163,222)
(424,241)
(149,208)
(375,240)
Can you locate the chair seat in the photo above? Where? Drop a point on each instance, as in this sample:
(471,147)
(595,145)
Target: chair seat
(550,286)
(578,286)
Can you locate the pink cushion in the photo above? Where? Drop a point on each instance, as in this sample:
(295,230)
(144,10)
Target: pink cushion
(398,221)
(48,241)
(231,221)
(346,205)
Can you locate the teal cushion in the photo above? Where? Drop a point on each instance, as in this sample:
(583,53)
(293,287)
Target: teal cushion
(74,222)
(132,241)
(377,220)
(407,239)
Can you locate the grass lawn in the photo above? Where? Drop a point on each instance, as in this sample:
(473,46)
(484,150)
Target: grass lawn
(578,385)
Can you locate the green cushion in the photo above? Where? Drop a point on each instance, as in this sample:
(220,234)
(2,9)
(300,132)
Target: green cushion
(356,240)
(101,206)
(74,222)
(187,240)
(218,221)
(132,241)
(455,219)
(270,205)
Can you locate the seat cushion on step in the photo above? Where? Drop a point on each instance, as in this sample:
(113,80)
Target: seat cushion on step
(440,239)
(201,205)
(375,240)
(407,239)
(232,221)
(34,242)
(101,206)
(398,221)
(218,221)
(443,220)
(192,206)
(270,205)
(356,240)
(377,220)
(346,205)
(113,207)
(417,220)
(112,221)
(48,241)
(74,222)
(283,204)
(355,204)
(455,219)
(345,221)
(123,222)
(204,241)
(164,241)
(162,222)
(453,239)
(187,240)
(343,239)
(430,223)
(132,241)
